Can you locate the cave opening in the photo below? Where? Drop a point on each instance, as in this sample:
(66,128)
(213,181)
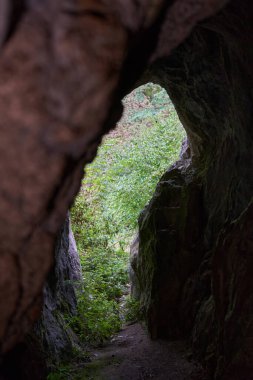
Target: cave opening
(194,264)
(116,187)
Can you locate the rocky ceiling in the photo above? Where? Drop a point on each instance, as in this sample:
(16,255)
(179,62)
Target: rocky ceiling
(64,68)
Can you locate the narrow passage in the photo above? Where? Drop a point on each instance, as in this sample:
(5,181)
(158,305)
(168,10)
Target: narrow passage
(131,355)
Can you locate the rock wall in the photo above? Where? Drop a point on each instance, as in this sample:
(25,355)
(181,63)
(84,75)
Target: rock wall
(52,341)
(195,257)
(57,339)
(64,67)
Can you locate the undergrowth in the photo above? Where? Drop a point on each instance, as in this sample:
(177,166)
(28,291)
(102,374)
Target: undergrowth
(117,186)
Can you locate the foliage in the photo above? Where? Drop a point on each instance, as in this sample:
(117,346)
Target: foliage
(132,310)
(104,273)
(125,172)
(117,185)
(61,373)
(97,318)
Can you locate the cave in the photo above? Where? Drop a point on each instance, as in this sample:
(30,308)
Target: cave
(64,68)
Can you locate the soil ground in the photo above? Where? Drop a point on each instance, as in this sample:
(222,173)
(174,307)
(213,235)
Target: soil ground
(131,355)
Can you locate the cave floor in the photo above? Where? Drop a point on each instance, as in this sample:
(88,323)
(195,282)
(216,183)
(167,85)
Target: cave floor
(131,355)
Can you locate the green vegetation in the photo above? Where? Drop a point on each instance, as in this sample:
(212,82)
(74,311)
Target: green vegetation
(117,186)
(62,373)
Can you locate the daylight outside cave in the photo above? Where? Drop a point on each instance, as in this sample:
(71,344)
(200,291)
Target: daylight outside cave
(116,187)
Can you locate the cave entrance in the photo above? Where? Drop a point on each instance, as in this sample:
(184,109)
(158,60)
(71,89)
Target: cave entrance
(117,186)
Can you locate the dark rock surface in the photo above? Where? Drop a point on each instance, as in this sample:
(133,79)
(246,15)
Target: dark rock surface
(170,250)
(64,68)
(57,339)
(195,251)
(52,341)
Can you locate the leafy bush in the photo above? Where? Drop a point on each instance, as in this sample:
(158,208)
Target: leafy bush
(132,310)
(117,185)
(104,273)
(60,373)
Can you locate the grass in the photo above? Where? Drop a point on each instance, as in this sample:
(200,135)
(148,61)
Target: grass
(117,186)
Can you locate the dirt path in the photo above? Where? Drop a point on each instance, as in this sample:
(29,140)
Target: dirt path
(131,355)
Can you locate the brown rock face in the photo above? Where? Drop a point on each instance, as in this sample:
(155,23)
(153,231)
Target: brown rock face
(63,71)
